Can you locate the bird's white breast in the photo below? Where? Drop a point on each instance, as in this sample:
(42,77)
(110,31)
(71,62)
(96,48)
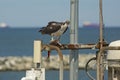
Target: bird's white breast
(60,32)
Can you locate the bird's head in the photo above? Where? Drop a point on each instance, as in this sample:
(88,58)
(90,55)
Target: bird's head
(67,21)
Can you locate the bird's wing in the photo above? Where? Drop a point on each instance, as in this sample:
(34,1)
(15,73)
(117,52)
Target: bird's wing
(50,29)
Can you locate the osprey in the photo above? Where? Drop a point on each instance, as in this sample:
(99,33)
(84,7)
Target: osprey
(55,29)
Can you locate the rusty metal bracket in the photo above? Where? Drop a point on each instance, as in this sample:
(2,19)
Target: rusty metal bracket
(52,47)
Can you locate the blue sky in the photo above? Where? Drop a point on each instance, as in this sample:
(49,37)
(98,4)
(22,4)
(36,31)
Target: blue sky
(35,13)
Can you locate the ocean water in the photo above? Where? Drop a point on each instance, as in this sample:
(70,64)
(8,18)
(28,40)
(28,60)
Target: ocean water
(19,42)
(49,75)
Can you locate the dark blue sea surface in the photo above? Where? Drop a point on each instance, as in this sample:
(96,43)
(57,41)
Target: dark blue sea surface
(19,41)
(50,75)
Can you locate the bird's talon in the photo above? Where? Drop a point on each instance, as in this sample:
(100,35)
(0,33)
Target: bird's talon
(47,59)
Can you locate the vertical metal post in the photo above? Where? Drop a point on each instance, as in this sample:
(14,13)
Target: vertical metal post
(61,70)
(74,4)
(100,71)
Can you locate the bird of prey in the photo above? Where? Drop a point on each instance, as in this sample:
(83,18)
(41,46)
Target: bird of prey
(55,29)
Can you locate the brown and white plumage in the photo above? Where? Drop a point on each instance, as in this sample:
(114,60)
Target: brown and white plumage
(55,29)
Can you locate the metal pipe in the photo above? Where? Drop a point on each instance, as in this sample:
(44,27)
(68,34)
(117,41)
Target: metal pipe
(52,47)
(74,5)
(81,46)
(99,65)
(100,71)
(111,48)
(86,68)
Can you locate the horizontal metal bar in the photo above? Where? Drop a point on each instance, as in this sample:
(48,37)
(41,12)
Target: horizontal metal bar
(84,46)
(87,46)
(111,48)
(78,46)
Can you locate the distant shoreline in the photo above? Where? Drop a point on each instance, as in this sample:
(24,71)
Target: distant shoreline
(18,63)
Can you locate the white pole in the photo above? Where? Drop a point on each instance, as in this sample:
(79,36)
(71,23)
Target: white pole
(37,53)
(74,38)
